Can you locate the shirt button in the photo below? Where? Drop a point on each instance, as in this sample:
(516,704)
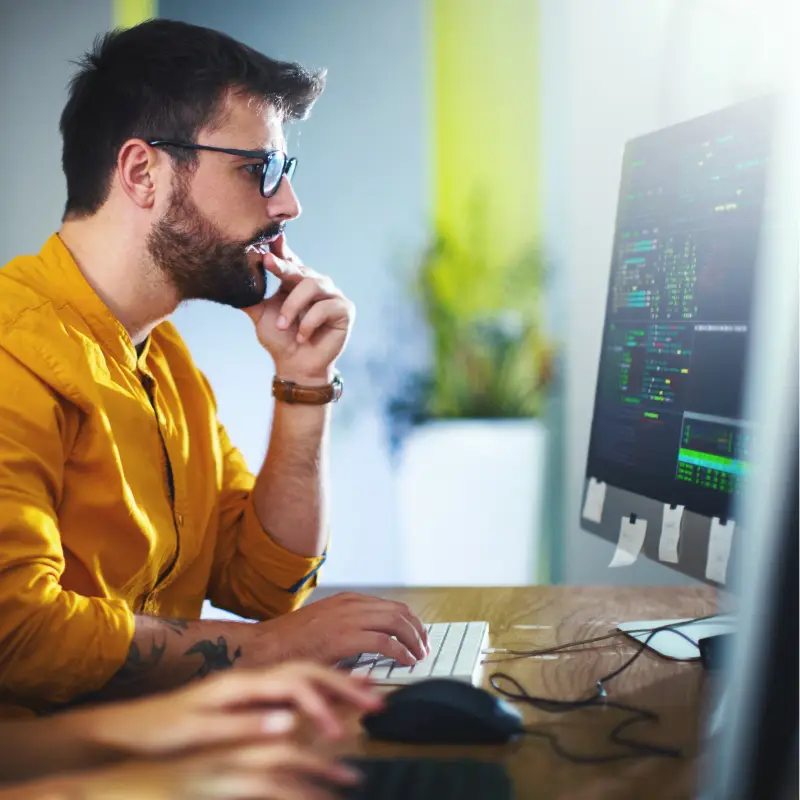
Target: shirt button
(179,519)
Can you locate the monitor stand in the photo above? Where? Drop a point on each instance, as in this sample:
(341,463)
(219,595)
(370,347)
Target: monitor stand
(672,645)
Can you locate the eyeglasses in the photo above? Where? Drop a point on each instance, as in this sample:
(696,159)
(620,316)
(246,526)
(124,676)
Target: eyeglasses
(275,163)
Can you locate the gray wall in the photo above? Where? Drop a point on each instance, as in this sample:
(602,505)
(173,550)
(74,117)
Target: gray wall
(363,179)
(614,70)
(36,46)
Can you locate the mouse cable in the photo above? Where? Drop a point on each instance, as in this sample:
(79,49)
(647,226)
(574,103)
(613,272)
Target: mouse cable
(637,749)
(512,655)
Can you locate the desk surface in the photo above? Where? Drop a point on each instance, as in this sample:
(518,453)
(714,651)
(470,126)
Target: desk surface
(568,613)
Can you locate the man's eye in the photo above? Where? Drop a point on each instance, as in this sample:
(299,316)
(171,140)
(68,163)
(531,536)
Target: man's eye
(253,169)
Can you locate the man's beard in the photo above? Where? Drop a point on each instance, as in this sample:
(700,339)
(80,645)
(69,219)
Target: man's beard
(201,262)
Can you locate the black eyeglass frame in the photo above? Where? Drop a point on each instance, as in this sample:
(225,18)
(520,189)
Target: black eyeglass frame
(266,157)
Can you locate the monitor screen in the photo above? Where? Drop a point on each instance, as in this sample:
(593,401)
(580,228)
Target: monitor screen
(668,409)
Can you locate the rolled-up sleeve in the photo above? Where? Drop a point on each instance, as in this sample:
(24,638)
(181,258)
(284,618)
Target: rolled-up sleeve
(252,574)
(54,644)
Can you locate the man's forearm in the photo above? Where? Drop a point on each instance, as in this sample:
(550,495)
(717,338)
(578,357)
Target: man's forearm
(33,748)
(166,653)
(36,748)
(290,492)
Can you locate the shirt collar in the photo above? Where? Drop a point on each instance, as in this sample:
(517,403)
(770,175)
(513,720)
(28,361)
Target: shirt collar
(72,286)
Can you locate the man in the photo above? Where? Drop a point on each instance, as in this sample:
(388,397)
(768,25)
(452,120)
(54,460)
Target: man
(232,736)
(123,505)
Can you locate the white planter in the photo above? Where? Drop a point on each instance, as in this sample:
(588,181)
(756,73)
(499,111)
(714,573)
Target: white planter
(469,500)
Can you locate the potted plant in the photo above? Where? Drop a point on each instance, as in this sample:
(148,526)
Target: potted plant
(466,432)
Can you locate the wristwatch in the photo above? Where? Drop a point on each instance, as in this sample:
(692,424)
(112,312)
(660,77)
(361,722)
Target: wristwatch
(290,392)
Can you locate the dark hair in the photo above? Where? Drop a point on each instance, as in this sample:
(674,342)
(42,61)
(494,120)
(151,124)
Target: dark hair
(163,79)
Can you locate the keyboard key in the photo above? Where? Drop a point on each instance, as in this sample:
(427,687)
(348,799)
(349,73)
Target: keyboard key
(382,669)
(424,667)
(449,651)
(455,652)
(470,654)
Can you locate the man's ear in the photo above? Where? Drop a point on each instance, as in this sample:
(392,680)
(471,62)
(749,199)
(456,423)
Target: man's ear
(138,171)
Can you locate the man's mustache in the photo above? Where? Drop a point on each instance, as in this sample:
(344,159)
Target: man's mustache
(266,235)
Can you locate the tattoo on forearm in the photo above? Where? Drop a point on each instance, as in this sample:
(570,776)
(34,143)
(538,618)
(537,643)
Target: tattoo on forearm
(137,665)
(215,655)
(177,625)
(131,678)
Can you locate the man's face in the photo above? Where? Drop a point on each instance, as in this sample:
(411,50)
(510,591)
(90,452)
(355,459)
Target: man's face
(216,212)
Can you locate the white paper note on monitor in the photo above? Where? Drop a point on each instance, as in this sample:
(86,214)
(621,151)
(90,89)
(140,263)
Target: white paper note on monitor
(719,549)
(595,499)
(670,534)
(631,539)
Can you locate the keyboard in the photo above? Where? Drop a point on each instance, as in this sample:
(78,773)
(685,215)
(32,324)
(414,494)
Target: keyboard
(455,653)
(429,779)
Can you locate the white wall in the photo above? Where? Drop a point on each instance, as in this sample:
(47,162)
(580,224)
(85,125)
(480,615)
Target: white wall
(36,46)
(614,70)
(363,179)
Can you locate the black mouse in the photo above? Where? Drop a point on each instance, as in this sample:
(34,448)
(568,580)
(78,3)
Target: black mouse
(444,711)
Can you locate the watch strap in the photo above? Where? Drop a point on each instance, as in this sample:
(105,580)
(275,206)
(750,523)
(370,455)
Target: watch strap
(290,392)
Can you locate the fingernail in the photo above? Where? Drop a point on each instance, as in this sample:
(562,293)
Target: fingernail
(300,338)
(281,322)
(277,722)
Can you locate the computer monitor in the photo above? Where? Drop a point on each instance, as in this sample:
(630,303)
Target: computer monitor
(669,447)
(670,444)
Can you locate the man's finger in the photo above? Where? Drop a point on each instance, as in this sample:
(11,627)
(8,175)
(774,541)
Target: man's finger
(383,643)
(380,604)
(416,622)
(308,291)
(279,247)
(392,622)
(289,274)
(333,312)
(310,700)
(248,687)
(346,688)
(245,725)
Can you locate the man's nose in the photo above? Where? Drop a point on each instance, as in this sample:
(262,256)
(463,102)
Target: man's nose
(284,205)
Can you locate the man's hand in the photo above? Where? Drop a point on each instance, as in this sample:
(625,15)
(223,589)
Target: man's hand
(233,709)
(268,771)
(237,706)
(339,627)
(306,323)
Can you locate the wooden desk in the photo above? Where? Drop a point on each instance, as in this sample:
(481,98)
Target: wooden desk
(672,689)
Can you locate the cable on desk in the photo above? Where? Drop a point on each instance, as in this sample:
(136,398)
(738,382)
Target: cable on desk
(637,749)
(512,655)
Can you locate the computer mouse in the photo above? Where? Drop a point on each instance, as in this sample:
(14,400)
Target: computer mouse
(444,711)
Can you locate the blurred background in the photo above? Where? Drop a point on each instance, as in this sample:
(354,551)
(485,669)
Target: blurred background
(459,180)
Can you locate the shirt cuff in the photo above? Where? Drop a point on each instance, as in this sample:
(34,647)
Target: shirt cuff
(288,571)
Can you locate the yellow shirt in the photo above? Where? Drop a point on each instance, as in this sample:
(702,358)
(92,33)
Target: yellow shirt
(120,492)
